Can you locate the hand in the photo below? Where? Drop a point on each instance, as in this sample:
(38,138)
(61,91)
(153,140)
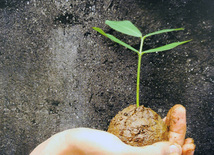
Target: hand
(84,141)
(176,121)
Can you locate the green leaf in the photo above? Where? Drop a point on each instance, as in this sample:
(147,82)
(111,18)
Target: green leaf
(99,30)
(166,47)
(125,27)
(121,42)
(114,39)
(163,31)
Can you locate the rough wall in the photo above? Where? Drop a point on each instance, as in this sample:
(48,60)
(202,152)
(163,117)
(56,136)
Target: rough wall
(57,73)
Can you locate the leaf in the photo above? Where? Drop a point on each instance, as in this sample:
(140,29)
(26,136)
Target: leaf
(99,30)
(114,39)
(121,42)
(163,31)
(166,47)
(125,27)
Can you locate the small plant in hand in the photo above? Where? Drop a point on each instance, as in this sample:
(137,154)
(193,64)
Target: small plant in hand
(146,130)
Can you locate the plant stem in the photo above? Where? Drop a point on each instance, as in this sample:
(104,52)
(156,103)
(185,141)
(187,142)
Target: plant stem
(138,79)
(138,72)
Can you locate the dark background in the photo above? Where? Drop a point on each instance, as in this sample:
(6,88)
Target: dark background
(57,73)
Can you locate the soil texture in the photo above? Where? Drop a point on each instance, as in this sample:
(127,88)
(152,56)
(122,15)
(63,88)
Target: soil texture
(138,126)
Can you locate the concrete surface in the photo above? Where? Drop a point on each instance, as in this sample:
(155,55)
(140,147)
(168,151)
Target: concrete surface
(57,73)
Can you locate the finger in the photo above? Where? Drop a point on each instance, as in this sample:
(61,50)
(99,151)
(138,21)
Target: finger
(188,147)
(51,145)
(160,148)
(95,142)
(81,141)
(176,121)
(164,119)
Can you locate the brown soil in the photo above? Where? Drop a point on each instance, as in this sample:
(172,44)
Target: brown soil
(138,126)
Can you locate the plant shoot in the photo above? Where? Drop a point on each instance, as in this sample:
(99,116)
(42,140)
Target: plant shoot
(128,28)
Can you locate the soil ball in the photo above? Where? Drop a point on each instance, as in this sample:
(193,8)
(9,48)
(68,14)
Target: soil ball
(138,126)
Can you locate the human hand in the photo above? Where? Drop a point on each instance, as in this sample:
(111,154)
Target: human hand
(94,142)
(176,121)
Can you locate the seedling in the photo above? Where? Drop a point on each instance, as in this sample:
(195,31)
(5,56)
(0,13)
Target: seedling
(128,28)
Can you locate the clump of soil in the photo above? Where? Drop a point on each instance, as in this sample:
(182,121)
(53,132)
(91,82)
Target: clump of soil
(138,126)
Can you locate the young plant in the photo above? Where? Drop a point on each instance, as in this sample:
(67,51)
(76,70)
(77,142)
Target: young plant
(128,28)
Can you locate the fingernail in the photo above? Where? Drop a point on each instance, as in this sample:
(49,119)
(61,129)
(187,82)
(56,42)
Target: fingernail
(190,152)
(174,150)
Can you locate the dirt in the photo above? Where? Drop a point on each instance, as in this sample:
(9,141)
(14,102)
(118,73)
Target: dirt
(138,126)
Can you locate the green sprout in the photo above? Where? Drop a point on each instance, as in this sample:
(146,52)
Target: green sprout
(128,28)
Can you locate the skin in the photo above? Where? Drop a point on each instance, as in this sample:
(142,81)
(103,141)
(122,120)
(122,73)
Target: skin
(85,141)
(176,121)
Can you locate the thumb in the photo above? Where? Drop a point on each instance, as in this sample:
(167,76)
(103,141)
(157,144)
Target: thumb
(160,148)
